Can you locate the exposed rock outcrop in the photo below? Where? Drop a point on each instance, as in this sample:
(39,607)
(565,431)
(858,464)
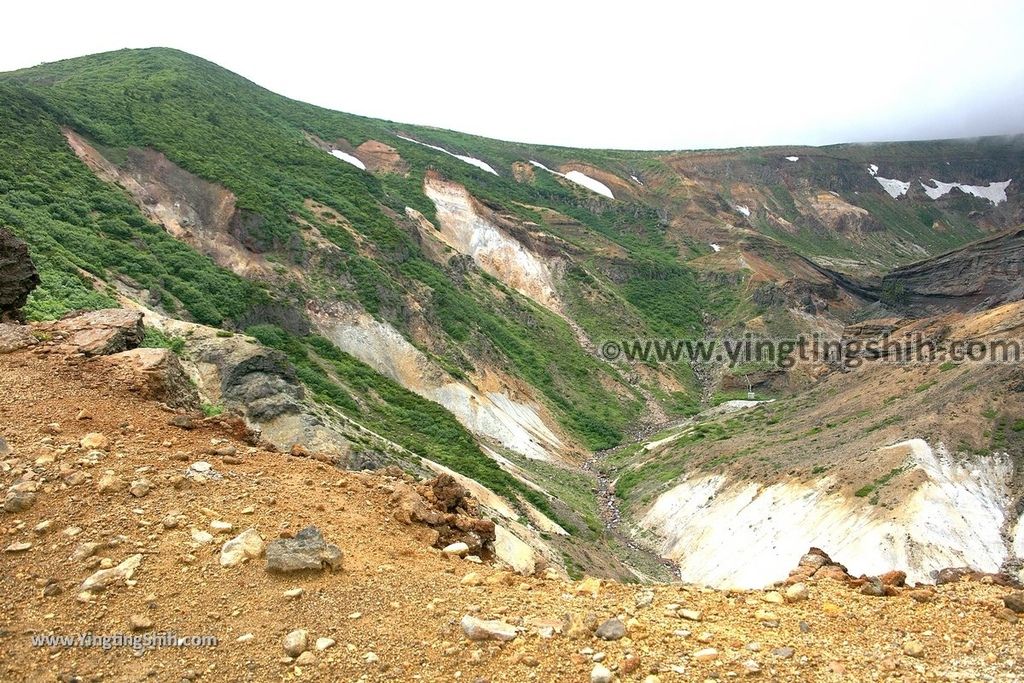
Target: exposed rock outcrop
(18,276)
(97,333)
(157,375)
(983,274)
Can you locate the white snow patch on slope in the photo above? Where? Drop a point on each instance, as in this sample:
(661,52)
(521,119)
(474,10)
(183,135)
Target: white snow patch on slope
(581,179)
(994,192)
(746,535)
(636,180)
(495,251)
(742,209)
(483,165)
(939,190)
(792,158)
(873,169)
(715,247)
(349,158)
(895,188)
(515,425)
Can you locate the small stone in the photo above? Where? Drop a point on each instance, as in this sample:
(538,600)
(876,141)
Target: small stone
(18,547)
(600,674)
(783,652)
(797,592)
(293,593)
(644,599)
(690,614)
(201,537)
(83,551)
(472,579)
(248,545)
(52,589)
(706,655)
(296,642)
(1015,602)
(459,549)
(83,414)
(773,597)
(140,487)
(43,526)
(307,658)
(170,521)
(874,587)
(111,483)
(480,629)
(751,667)
(921,595)
(181,422)
(104,578)
(244,638)
(94,441)
(371,658)
(221,527)
(913,648)
(612,629)
(140,622)
(324,643)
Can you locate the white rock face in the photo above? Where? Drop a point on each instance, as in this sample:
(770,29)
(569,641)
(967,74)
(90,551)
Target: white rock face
(516,425)
(715,248)
(745,535)
(994,192)
(583,180)
(348,158)
(743,209)
(1018,540)
(792,158)
(514,552)
(482,165)
(491,248)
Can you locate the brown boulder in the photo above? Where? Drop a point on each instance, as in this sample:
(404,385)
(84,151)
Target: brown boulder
(14,337)
(157,375)
(99,333)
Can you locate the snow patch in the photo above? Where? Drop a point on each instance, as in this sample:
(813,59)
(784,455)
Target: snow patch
(349,158)
(581,179)
(994,192)
(792,158)
(483,165)
(636,180)
(1018,541)
(715,248)
(742,209)
(747,535)
(895,188)
(873,169)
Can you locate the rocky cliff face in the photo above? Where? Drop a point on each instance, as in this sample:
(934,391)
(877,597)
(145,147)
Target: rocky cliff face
(980,275)
(18,276)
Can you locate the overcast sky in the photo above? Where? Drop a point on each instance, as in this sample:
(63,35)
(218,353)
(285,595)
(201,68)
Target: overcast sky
(634,74)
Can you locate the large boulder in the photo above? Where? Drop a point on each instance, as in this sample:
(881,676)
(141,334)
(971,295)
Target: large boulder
(99,333)
(307,551)
(157,374)
(18,276)
(14,337)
